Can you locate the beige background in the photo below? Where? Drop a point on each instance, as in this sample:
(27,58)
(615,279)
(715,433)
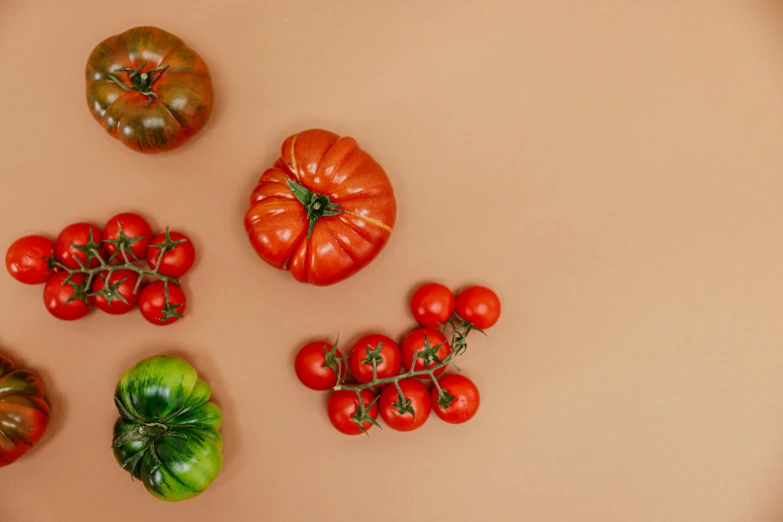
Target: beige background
(612,168)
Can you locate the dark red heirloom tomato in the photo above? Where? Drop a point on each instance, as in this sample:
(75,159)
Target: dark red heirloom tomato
(24,413)
(148,89)
(29,259)
(324,211)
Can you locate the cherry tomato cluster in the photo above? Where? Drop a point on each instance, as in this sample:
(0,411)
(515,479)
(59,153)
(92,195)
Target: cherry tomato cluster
(389,380)
(114,269)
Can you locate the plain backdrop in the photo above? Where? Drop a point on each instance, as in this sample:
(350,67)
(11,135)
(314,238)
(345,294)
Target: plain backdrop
(611,168)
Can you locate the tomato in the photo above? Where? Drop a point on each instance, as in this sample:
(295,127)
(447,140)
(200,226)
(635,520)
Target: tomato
(175,262)
(343,409)
(168,431)
(148,89)
(432,305)
(129,232)
(459,400)
(30,259)
(324,211)
(67,301)
(316,366)
(114,293)
(152,303)
(380,348)
(23,410)
(479,306)
(430,345)
(77,244)
(409,414)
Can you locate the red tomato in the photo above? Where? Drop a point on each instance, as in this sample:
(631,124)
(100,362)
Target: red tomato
(429,345)
(479,306)
(67,301)
(30,259)
(366,350)
(432,305)
(460,399)
(114,293)
(129,232)
(324,211)
(152,303)
(343,409)
(175,262)
(76,246)
(409,414)
(315,364)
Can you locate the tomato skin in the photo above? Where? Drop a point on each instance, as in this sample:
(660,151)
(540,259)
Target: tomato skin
(152,301)
(114,305)
(344,404)
(390,363)
(27,259)
(420,403)
(78,234)
(415,342)
(479,306)
(310,366)
(432,305)
(466,402)
(175,262)
(133,227)
(56,294)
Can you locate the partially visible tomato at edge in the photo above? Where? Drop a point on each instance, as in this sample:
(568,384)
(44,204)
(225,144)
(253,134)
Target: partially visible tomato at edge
(311,368)
(56,296)
(28,259)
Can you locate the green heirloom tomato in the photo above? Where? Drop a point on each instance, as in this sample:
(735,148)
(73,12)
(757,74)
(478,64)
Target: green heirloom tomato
(167,434)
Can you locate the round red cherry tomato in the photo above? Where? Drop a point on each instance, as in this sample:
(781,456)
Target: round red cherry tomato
(432,305)
(114,293)
(479,306)
(29,259)
(430,345)
(408,414)
(67,301)
(376,347)
(459,400)
(175,262)
(76,246)
(152,303)
(129,232)
(343,409)
(315,364)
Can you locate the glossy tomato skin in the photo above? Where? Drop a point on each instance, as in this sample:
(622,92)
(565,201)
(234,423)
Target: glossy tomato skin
(479,306)
(57,294)
(182,94)
(28,259)
(344,404)
(432,305)
(82,235)
(388,365)
(340,245)
(131,229)
(466,402)
(420,403)
(111,303)
(415,342)
(152,302)
(175,262)
(311,366)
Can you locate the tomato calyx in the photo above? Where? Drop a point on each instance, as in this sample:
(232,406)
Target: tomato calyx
(90,249)
(123,245)
(170,310)
(374,358)
(316,205)
(331,359)
(140,81)
(362,414)
(403,405)
(111,291)
(445,398)
(79,292)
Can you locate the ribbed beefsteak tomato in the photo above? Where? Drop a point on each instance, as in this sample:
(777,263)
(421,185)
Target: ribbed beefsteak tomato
(324,211)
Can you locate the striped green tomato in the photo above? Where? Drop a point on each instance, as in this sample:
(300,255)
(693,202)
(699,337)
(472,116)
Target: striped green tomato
(167,434)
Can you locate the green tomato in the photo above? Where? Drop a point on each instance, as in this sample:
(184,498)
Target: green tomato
(167,434)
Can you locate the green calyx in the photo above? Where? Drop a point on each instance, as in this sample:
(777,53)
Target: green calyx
(140,81)
(111,291)
(123,245)
(316,205)
(362,414)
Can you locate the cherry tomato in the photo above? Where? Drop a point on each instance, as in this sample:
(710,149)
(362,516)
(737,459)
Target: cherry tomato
(175,262)
(460,400)
(409,414)
(315,365)
(479,306)
(67,301)
(366,350)
(114,293)
(129,231)
(429,345)
(152,303)
(432,305)
(30,258)
(343,408)
(76,246)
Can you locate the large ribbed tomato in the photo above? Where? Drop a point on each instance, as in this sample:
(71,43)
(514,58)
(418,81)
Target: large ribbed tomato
(324,211)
